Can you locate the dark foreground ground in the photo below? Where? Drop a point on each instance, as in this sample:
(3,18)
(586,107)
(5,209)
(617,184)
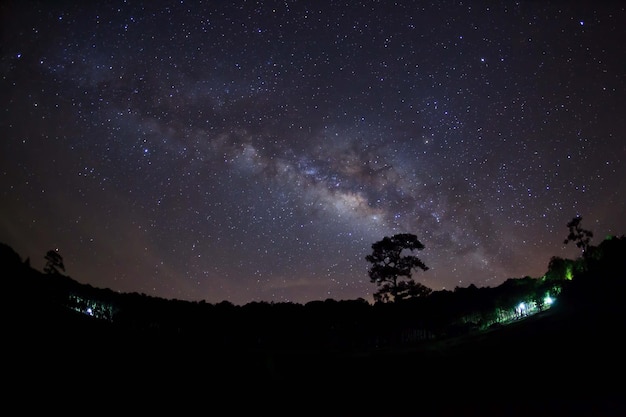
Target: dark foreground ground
(554,364)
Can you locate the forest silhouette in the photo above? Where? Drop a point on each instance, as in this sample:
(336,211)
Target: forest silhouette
(501,350)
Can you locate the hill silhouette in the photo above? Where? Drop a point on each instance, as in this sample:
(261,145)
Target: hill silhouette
(452,353)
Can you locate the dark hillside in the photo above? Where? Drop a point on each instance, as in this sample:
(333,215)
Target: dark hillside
(566,361)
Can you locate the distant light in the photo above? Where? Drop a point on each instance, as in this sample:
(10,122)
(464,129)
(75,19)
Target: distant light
(89,311)
(548,300)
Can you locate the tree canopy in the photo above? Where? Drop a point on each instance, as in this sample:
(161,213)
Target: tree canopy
(54,262)
(581,237)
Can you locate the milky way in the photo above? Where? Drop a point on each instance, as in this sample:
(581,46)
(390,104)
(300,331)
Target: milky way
(254,152)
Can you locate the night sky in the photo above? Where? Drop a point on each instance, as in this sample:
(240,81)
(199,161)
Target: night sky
(254,151)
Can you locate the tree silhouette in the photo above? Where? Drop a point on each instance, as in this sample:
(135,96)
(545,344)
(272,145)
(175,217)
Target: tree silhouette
(560,269)
(54,262)
(578,235)
(392,259)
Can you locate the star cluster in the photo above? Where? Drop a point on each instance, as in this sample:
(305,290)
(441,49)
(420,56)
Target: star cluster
(254,151)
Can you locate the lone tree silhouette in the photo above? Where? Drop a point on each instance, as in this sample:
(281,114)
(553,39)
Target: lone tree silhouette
(54,262)
(578,235)
(392,262)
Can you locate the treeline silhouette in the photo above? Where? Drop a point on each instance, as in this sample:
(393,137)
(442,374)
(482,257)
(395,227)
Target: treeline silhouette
(318,324)
(449,341)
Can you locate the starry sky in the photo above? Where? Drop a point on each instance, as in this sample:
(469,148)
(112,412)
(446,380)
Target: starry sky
(253,151)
